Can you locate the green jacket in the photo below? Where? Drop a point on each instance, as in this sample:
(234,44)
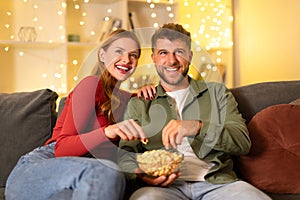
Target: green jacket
(222,135)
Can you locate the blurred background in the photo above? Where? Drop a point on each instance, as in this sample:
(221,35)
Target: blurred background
(53,43)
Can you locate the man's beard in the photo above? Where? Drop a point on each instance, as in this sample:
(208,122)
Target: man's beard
(173,82)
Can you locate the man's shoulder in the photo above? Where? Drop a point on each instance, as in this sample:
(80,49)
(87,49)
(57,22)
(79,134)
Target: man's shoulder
(138,101)
(201,85)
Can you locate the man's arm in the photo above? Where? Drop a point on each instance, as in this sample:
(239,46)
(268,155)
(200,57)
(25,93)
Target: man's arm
(226,130)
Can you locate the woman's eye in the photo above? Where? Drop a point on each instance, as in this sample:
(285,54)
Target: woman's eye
(120,52)
(134,55)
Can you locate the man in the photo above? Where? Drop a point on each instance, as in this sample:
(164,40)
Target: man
(199,119)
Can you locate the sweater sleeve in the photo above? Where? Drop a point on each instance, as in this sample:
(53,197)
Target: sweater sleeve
(70,133)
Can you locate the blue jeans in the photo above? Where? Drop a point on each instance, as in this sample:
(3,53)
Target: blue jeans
(200,191)
(38,175)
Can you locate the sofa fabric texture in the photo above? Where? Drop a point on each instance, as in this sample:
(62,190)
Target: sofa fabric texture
(273,162)
(26,122)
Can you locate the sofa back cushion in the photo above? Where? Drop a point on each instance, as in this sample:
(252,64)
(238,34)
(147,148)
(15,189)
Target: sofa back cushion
(26,122)
(273,162)
(255,97)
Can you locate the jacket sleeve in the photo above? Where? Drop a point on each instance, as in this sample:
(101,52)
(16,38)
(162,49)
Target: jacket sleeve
(129,149)
(226,130)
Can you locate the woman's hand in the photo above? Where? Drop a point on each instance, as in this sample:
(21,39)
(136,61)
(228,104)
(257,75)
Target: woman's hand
(147,91)
(163,181)
(126,130)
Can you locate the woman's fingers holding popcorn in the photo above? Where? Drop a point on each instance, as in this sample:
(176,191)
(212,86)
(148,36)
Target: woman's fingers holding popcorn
(127,130)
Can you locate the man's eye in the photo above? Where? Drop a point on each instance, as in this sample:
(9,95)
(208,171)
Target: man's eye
(162,53)
(179,52)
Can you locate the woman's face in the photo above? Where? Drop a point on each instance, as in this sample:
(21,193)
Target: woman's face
(121,58)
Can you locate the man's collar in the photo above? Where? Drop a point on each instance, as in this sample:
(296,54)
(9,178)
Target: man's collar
(196,87)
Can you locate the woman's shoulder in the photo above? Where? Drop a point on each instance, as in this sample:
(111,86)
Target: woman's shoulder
(86,87)
(88,80)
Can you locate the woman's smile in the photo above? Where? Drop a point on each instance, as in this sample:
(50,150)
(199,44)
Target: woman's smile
(123,68)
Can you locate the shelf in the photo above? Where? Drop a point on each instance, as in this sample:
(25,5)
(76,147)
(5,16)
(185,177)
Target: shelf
(31,44)
(19,44)
(82,44)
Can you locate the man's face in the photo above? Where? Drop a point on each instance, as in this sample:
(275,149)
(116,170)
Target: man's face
(172,60)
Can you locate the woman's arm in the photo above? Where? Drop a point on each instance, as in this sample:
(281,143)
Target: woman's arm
(72,137)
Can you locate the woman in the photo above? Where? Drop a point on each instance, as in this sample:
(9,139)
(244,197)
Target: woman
(89,126)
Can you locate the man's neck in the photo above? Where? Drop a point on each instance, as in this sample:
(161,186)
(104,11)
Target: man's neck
(170,88)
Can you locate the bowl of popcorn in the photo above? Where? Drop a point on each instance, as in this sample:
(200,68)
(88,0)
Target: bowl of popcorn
(159,162)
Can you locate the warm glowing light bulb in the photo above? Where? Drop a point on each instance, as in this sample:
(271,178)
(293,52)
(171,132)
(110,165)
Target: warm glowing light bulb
(153,15)
(75,62)
(57,75)
(171,15)
(152,5)
(63,4)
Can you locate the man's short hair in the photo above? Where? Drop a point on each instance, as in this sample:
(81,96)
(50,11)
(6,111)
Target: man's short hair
(171,32)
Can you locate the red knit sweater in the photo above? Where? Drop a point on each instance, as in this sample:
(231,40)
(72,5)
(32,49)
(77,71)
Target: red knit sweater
(79,130)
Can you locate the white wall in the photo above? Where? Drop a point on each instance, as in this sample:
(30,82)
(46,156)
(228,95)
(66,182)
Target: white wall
(267,40)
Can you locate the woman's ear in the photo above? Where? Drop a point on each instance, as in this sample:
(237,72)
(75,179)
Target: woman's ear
(101,55)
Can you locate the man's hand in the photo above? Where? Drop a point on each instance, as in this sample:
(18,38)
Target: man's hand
(162,181)
(176,130)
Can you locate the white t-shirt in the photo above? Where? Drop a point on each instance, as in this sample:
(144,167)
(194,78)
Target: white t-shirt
(192,168)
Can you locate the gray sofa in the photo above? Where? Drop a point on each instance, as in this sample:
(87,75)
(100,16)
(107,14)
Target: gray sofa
(27,119)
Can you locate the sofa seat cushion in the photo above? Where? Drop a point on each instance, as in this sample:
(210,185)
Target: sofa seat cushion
(26,122)
(273,163)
